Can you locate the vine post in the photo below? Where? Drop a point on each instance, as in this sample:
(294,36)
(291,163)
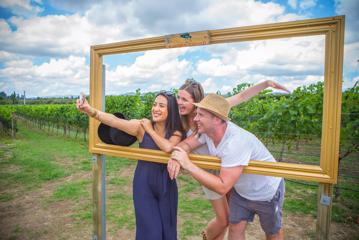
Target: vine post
(13,130)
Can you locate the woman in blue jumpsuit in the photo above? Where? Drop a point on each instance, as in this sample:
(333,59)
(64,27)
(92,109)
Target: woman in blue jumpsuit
(155,195)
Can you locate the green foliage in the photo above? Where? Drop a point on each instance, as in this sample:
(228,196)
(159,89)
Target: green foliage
(147,101)
(6,117)
(124,104)
(349,135)
(282,118)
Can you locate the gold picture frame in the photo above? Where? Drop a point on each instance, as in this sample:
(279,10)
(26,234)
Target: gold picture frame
(331,28)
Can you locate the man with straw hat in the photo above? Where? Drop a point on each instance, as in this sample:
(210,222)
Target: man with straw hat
(250,194)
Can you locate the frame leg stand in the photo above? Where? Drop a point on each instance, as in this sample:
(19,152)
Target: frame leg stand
(325,197)
(99,197)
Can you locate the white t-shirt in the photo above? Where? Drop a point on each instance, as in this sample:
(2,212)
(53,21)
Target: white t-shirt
(236,148)
(202,150)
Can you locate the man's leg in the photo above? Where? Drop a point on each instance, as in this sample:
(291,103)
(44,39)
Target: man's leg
(270,214)
(240,213)
(278,236)
(237,231)
(216,228)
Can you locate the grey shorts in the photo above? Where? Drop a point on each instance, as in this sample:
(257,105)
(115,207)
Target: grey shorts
(269,212)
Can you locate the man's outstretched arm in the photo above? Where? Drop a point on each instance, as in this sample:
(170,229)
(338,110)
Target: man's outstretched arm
(220,184)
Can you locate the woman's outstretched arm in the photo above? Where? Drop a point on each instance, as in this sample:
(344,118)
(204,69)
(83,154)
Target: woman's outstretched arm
(132,127)
(250,92)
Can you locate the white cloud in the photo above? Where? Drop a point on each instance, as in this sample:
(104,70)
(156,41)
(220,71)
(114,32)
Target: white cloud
(349,8)
(4,28)
(152,69)
(295,56)
(292,3)
(55,35)
(6,56)
(58,76)
(223,14)
(290,17)
(305,4)
(66,39)
(60,35)
(72,6)
(292,83)
(351,53)
(209,85)
(349,82)
(216,68)
(293,62)
(212,85)
(21,7)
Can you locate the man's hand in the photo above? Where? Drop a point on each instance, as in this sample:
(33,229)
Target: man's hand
(181,157)
(173,168)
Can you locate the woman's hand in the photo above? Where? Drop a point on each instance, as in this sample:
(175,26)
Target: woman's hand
(146,124)
(276,85)
(84,106)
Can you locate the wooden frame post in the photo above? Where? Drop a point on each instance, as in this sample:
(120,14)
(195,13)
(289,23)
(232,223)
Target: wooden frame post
(99,197)
(99,184)
(324,211)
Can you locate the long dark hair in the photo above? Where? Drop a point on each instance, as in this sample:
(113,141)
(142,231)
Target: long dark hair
(195,89)
(173,121)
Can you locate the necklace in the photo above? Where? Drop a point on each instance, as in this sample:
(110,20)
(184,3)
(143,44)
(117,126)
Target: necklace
(158,131)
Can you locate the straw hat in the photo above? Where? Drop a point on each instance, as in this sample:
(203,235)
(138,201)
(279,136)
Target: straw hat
(215,104)
(115,136)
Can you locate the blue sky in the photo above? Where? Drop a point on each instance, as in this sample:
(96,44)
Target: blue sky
(45,45)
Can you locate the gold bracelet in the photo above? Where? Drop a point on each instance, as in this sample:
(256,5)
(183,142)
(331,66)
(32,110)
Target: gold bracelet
(93,115)
(97,116)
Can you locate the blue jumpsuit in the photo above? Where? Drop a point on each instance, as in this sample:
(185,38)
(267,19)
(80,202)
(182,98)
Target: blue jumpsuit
(155,198)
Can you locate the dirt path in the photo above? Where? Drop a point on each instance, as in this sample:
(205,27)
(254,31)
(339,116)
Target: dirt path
(30,217)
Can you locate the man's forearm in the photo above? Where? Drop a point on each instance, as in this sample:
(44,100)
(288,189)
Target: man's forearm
(185,146)
(213,182)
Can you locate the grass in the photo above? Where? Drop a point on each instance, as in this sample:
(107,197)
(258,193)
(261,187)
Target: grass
(37,161)
(72,190)
(300,198)
(6,197)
